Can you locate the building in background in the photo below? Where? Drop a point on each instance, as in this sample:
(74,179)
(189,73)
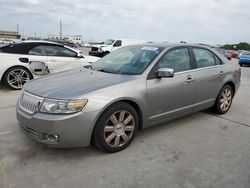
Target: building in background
(74,38)
(77,39)
(9,34)
(54,37)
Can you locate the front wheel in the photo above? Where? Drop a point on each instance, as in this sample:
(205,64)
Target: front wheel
(116,128)
(240,64)
(224,100)
(16,77)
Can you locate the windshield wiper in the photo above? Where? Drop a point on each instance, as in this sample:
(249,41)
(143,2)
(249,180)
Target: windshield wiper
(89,67)
(102,70)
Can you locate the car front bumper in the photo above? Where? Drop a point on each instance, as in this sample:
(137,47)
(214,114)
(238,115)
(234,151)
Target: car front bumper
(71,130)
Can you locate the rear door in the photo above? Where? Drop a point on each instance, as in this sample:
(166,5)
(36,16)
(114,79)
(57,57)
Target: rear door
(171,97)
(208,75)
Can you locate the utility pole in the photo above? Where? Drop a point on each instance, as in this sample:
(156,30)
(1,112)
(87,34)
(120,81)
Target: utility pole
(60,29)
(17,28)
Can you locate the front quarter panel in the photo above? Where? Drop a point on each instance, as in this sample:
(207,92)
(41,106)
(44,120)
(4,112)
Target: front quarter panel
(133,90)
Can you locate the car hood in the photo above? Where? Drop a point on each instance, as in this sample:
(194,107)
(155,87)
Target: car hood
(73,84)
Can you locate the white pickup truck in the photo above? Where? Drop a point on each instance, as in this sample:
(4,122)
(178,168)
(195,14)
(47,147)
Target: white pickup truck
(112,44)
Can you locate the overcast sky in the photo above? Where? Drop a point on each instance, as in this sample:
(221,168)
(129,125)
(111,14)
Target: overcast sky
(207,21)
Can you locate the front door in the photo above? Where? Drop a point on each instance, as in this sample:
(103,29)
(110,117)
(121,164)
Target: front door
(170,97)
(60,58)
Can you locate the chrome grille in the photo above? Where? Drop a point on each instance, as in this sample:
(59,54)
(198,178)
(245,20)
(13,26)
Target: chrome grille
(29,102)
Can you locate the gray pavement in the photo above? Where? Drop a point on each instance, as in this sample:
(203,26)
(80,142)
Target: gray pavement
(202,150)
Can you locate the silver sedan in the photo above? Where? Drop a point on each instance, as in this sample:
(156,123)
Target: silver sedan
(132,88)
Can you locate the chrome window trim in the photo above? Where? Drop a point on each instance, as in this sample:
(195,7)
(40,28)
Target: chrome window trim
(199,69)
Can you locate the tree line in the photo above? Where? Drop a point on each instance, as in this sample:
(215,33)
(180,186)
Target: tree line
(239,46)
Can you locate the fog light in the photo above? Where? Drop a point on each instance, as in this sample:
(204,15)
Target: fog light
(50,138)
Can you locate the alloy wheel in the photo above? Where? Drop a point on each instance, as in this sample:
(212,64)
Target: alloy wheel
(226,99)
(17,78)
(119,128)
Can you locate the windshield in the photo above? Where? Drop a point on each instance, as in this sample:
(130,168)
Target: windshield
(109,42)
(246,53)
(131,60)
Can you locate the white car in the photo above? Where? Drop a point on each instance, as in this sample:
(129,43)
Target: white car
(111,45)
(23,61)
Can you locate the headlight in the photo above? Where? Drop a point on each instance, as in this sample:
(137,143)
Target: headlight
(100,49)
(62,106)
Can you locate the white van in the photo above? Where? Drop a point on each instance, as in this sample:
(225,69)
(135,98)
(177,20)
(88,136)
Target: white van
(112,44)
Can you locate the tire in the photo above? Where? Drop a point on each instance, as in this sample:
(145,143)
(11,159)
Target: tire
(16,77)
(240,64)
(116,128)
(224,100)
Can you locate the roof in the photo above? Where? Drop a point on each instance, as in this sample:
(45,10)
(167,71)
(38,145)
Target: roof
(39,41)
(170,45)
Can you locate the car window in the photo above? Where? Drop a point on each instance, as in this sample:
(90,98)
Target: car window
(177,59)
(59,51)
(204,58)
(38,50)
(19,48)
(118,43)
(217,60)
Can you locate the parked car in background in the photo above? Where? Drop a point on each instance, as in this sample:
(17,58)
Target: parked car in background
(132,88)
(224,52)
(234,54)
(111,45)
(22,61)
(241,52)
(244,59)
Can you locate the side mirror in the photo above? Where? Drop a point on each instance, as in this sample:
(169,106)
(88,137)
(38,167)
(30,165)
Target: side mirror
(165,73)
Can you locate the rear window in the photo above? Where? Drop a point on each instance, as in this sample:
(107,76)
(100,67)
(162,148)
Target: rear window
(16,48)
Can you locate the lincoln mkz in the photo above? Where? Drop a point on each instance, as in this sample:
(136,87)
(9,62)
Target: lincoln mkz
(135,87)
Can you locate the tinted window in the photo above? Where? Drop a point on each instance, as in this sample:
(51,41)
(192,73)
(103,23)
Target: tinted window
(177,59)
(118,43)
(204,58)
(38,50)
(59,51)
(19,48)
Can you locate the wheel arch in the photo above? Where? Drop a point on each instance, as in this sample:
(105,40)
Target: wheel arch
(2,79)
(231,83)
(134,104)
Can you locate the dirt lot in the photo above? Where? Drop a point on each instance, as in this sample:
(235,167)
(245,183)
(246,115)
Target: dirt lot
(201,150)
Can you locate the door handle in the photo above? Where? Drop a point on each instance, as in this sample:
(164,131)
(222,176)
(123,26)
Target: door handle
(188,80)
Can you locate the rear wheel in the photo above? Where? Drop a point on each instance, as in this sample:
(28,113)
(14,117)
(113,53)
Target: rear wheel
(224,100)
(16,77)
(116,128)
